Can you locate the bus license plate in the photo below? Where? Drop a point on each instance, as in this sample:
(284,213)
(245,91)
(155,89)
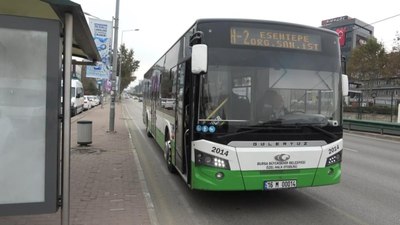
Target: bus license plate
(279,184)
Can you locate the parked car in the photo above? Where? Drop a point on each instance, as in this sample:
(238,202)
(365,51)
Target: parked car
(167,103)
(94,99)
(87,104)
(76,97)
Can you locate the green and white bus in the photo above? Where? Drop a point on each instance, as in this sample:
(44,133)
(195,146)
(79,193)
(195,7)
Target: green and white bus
(252,105)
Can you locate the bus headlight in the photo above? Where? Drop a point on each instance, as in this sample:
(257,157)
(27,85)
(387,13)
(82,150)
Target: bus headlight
(210,160)
(336,158)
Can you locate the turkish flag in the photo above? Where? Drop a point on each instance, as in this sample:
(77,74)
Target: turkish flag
(342,36)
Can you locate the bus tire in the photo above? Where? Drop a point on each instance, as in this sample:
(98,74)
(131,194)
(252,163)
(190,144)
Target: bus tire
(148,128)
(168,157)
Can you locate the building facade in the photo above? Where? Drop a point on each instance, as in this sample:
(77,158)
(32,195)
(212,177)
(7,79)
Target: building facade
(352,32)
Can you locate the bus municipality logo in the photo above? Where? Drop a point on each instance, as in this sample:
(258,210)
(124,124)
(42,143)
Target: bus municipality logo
(282,157)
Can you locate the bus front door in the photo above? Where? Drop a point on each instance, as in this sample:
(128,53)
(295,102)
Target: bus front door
(180,128)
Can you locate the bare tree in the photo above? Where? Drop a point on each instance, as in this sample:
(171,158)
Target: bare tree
(367,64)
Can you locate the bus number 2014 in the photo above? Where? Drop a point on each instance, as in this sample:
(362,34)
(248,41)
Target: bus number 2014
(333,149)
(219,151)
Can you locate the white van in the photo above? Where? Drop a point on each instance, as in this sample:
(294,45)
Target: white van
(77,98)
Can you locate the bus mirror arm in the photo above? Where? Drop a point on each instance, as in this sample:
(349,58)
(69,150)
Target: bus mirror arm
(185,138)
(196,38)
(186,111)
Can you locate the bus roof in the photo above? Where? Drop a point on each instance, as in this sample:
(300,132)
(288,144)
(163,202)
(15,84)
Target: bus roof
(217,20)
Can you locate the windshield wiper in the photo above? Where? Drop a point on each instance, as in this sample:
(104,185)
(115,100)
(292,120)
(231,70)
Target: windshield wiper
(327,133)
(267,125)
(251,129)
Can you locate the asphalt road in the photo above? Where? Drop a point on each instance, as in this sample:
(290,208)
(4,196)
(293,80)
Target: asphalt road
(369,192)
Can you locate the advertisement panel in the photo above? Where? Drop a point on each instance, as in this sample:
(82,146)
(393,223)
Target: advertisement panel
(29,118)
(102,35)
(360,40)
(334,20)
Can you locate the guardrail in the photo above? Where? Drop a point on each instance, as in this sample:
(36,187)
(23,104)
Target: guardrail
(372,126)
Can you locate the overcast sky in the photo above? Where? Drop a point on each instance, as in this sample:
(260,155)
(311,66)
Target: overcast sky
(162,22)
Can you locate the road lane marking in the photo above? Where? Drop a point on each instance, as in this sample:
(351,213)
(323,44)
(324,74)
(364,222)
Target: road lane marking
(145,191)
(377,138)
(173,185)
(352,150)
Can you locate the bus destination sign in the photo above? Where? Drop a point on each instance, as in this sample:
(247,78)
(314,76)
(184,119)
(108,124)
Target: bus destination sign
(275,39)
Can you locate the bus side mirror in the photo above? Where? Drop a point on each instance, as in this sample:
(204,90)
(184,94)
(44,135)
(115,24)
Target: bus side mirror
(199,59)
(345,85)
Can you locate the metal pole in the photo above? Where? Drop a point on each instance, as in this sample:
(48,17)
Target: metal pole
(114,69)
(120,66)
(67,119)
(398,112)
(391,107)
(361,100)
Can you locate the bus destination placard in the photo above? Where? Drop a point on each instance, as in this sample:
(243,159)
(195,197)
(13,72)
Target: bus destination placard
(275,39)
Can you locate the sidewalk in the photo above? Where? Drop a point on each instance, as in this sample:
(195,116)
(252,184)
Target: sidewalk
(105,187)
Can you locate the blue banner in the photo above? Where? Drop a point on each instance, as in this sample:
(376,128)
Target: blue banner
(102,35)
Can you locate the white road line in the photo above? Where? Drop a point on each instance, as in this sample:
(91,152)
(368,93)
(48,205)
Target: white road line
(182,199)
(349,149)
(143,183)
(377,138)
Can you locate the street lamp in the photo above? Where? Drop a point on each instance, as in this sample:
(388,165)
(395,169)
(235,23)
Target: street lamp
(120,61)
(114,68)
(122,34)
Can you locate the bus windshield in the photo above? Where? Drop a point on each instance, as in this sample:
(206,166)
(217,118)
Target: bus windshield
(269,88)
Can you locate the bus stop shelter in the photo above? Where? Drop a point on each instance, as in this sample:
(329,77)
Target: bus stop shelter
(37,41)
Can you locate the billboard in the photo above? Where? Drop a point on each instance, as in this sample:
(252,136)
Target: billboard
(360,40)
(334,20)
(102,35)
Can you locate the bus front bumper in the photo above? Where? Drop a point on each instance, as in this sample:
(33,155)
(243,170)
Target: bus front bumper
(216,179)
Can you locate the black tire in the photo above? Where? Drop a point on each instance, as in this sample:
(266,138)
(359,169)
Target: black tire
(73,112)
(148,128)
(168,158)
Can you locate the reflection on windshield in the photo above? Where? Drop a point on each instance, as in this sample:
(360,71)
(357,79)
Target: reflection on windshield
(250,96)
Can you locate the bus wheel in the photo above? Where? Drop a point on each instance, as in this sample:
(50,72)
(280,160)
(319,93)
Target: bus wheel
(168,157)
(148,128)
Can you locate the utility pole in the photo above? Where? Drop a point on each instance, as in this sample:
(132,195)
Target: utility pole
(114,69)
(65,210)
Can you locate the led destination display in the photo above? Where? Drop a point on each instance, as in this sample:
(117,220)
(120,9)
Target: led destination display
(275,39)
